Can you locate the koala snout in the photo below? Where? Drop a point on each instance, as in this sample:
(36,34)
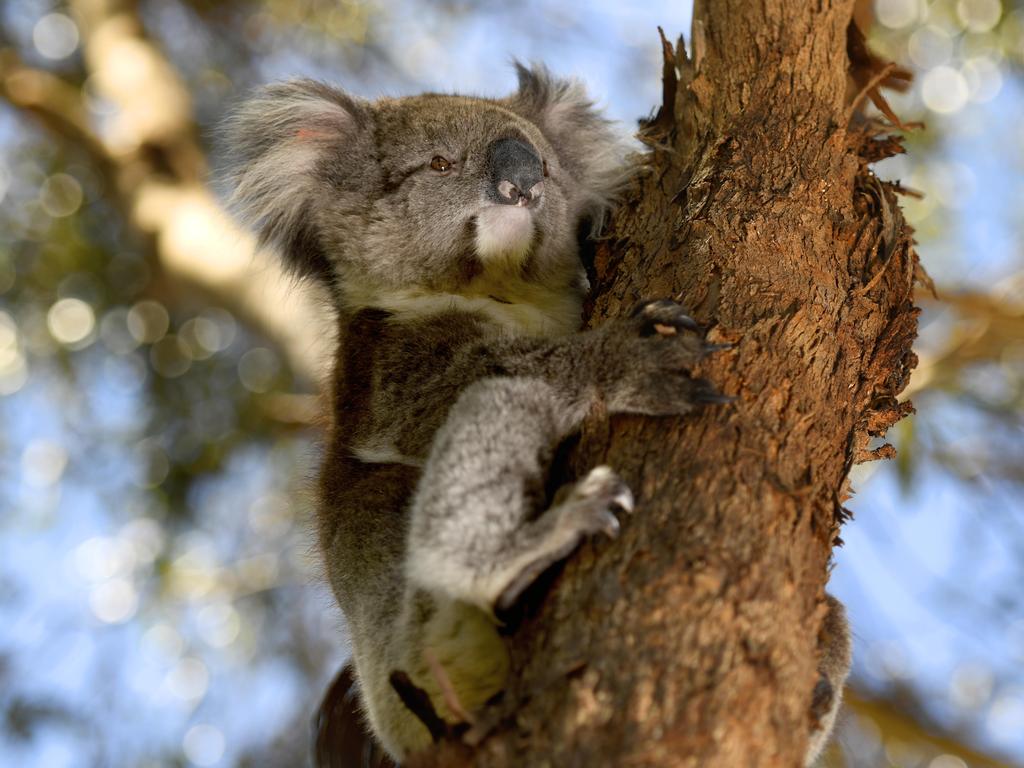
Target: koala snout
(515,173)
(510,194)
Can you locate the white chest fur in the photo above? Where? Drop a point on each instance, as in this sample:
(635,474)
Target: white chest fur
(517,306)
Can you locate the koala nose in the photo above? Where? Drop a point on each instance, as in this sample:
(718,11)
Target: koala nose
(515,173)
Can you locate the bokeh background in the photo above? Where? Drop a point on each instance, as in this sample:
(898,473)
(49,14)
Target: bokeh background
(160,602)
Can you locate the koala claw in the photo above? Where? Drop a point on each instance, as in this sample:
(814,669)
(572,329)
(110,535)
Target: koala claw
(706,394)
(599,520)
(603,485)
(588,510)
(709,349)
(664,317)
(624,500)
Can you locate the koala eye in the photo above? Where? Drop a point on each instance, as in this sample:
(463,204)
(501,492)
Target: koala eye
(544,167)
(441,164)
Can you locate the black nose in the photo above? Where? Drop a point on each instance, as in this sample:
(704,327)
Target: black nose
(514,170)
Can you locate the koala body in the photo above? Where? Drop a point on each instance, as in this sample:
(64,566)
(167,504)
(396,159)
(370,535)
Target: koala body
(446,230)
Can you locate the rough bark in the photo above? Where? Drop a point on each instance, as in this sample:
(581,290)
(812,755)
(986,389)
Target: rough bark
(691,640)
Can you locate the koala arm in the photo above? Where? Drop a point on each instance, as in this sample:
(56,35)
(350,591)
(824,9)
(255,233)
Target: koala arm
(641,364)
(397,390)
(474,532)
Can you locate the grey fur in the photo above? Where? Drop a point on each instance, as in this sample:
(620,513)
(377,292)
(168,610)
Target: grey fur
(460,365)
(836,650)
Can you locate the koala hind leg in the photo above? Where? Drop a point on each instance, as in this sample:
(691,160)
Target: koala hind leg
(474,534)
(833,669)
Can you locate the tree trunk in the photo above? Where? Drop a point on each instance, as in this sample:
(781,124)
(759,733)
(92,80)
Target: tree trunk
(691,640)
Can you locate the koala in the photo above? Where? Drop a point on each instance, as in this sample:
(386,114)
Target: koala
(445,228)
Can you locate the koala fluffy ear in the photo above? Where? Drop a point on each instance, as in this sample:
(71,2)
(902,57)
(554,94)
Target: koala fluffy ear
(586,142)
(291,150)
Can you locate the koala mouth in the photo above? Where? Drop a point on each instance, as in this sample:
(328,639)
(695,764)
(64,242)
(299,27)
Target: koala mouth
(504,233)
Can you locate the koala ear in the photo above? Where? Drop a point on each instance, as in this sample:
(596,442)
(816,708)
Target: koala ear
(290,151)
(586,142)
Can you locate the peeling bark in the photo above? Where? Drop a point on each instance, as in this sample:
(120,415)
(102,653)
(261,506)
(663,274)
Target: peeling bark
(691,640)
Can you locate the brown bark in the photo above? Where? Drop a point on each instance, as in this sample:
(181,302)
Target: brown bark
(691,640)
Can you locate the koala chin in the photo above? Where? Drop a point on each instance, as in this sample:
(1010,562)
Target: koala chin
(504,234)
(445,228)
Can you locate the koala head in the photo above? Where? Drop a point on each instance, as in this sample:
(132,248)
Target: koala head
(425,192)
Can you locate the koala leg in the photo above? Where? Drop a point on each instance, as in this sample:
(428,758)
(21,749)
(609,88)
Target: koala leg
(475,535)
(836,655)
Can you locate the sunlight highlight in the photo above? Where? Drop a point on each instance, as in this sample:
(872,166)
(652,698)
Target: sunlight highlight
(979,15)
(71,321)
(203,744)
(43,463)
(897,14)
(61,195)
(114,601)
(944,90)
(13,367)
(188,680)
(148,321)
(219,625)
(55,36)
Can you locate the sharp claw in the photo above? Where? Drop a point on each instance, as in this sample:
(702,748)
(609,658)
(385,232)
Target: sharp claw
(710,348)
(642,307)
(674,315)
(709,395)
(687,322)
(670,326)
(611,526)
(624,499)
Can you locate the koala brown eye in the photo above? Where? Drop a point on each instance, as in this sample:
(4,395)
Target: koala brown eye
(441,164)
(544,164)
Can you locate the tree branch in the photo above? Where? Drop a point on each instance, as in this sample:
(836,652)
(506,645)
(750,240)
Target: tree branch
(901,719)
(57,105)
(989,325)
(153,162)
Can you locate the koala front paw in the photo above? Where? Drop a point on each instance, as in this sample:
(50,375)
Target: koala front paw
(592,503)
(664,317)
(589,508)
(658,346)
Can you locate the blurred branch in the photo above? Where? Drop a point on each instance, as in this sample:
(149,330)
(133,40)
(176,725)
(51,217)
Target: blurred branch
(151,158)
(988,325)
(901,717)
(299,411)
(56,104)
